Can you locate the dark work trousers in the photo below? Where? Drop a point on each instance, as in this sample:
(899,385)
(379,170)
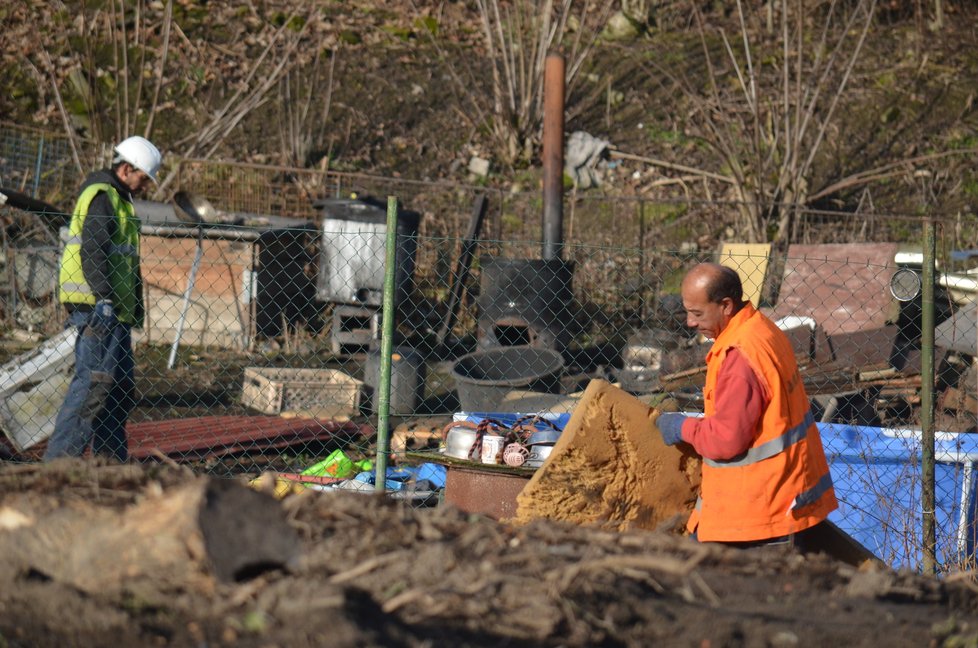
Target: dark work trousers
(102,393)
(804,541)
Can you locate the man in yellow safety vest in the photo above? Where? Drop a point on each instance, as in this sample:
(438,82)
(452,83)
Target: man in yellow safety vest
(101,289)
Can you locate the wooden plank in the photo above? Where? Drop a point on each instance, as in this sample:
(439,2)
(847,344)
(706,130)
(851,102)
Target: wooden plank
(695,377)
(835,542)
(750,261)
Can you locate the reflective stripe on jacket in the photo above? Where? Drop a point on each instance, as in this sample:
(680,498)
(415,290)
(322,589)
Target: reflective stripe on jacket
(123,257)
(781,484)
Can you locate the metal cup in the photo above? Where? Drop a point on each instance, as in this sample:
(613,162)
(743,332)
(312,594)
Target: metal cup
(492,445)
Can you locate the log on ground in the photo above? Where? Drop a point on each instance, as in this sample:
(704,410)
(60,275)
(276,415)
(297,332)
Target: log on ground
(187,537)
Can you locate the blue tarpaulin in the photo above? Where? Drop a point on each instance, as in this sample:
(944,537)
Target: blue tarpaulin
(401,478)
(877,476)
(510,418)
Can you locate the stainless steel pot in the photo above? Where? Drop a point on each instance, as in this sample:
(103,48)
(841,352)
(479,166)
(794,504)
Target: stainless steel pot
(538,454)
(543,436)
(458,443)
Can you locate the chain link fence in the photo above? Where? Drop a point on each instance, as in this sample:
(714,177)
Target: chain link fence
(261,347)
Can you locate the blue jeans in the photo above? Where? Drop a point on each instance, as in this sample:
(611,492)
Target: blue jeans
(101,394)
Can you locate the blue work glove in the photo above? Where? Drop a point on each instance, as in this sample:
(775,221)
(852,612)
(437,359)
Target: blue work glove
(670,424)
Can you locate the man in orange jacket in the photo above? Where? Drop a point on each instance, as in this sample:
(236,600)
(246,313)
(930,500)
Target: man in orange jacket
(765,477)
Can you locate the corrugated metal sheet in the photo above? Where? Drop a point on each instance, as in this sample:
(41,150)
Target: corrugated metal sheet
(844,288)
(215,436)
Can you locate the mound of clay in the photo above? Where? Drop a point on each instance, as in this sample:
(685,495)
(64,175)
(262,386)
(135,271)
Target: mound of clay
(610,468)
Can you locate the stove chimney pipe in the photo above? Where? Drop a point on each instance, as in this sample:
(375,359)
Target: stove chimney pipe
(553,157)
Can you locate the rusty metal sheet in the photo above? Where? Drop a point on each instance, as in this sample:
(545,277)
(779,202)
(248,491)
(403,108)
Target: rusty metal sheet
(750,260)
(865,348)
(215,436)
(489,493)
(844,287)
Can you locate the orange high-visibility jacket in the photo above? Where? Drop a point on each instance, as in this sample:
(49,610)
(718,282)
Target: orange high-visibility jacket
(781,484)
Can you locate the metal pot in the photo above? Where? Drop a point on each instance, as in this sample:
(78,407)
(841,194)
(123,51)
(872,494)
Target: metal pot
(458,443)
(543,436)
(538,454)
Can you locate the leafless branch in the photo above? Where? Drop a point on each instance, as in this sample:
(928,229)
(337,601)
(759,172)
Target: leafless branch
(64,113)
(161,65)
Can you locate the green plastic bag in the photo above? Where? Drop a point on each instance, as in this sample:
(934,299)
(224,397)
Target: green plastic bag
(337,464)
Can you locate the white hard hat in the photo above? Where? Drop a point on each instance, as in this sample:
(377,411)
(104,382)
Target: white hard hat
(140,152)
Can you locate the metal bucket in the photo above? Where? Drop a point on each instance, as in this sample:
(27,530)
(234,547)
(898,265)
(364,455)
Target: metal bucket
(485,377)
(407,380)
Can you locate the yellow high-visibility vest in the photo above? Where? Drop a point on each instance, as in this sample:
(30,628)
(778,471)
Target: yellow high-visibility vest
(123,256)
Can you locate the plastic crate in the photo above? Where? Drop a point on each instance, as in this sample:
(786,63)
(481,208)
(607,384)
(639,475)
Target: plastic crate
(274,390)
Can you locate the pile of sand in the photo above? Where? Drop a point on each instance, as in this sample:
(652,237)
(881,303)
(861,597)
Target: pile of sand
(610,468)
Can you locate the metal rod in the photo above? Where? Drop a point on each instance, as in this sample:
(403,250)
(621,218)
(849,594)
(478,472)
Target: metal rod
(386,349)
(553,157)
(229,233)
(927,495)
(37,169)
(462,268)
(186,300)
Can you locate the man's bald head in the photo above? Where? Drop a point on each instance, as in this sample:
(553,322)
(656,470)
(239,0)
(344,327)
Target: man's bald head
(718,281)
(712,294)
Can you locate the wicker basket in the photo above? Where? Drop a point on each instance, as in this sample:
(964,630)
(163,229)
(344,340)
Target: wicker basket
(275,390)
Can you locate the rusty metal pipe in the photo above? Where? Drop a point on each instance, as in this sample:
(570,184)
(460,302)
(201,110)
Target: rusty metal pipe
(553,157)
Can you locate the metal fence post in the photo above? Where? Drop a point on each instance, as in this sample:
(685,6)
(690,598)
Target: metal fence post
(386,349)
(927,401)
(38,167)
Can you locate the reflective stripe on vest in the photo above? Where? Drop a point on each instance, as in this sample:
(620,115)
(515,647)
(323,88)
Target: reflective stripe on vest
(72,287)
(813,494)
(770,448)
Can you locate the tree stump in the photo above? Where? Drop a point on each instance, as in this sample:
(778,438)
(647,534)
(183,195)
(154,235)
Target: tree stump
(185,538)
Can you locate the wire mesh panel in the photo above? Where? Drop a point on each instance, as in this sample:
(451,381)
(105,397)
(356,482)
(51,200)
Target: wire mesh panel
(39,164)
(260,349)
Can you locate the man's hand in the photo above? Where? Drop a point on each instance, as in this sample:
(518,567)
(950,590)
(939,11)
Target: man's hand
(103,317)
(670,424)
(105,309)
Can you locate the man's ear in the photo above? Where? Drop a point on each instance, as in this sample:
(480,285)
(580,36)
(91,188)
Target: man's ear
(727,305)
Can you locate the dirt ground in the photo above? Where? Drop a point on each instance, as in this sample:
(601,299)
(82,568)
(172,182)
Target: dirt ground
(374,572)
